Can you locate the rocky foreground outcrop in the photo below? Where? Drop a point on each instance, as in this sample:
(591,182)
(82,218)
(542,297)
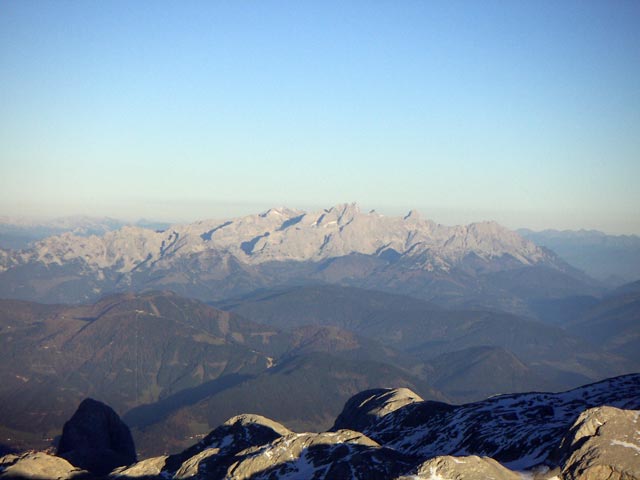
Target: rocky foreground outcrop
(603,443)
(341,454)
(543,437)
(366,408)
(461,468)
(521,431)
(217,451)
(39,465)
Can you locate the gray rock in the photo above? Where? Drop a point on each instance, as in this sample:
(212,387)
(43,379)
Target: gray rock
(604,443)
(462,468)
(366,408)
(96,440)
(150,468)
(38,465)
(331,455)
(222,444)
(518,430)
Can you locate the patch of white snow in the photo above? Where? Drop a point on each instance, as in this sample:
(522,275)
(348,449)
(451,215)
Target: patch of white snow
(626,444)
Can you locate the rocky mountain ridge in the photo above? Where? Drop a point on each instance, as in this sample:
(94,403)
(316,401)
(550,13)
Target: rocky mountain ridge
(540,436)
(529,424)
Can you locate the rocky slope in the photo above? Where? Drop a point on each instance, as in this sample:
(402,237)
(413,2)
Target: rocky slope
(603,443)
(537,436)
(217,259)
(519,430)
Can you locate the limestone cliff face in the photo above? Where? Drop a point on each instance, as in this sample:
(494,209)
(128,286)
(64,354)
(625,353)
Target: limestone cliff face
(342,454)
(217,451)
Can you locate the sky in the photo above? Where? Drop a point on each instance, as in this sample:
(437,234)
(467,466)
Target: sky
(524,112)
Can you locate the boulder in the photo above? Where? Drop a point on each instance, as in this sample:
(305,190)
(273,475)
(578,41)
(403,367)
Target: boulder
(462,468)
(604,443)
(150,468)
(330,455)
(366,408)
(38,465)
(236,434)
(96,439)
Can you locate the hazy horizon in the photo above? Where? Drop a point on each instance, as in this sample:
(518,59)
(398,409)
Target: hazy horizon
(512,220)
(523,113)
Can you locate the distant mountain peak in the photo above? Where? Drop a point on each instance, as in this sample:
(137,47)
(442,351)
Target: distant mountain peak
(280,212)
(413,215)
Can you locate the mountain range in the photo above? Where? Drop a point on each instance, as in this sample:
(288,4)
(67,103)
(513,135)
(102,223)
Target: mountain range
(287,314)
(479,265)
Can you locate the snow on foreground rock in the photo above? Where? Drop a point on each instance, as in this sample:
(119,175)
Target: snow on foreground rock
(521,431)
(564,436)
(341,454)
(462,468)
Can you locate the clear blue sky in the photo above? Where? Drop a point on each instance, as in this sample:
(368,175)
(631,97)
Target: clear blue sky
(523,112)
